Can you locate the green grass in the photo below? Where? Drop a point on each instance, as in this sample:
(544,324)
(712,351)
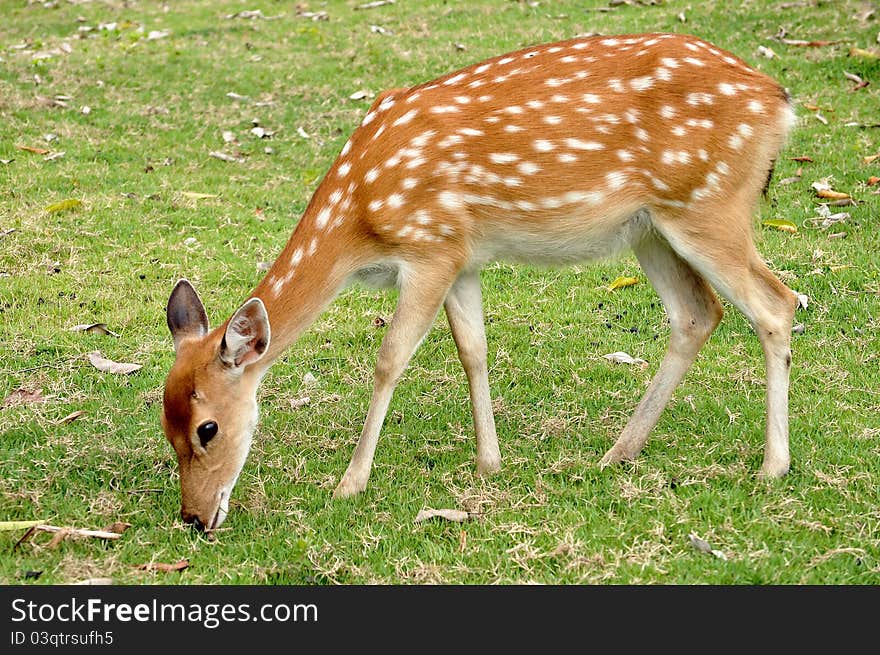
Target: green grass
(158,107)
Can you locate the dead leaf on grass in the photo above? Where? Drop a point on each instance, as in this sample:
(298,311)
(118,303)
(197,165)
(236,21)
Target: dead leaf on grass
(34,149)
(455,515)
(70,417)
(118,527)
(22,396)
(94,328)
(823,190)
(109,366)
(705,547)
(360,95)
(373,5)
(621,282)
(780,224)
(64,205)
(162,566)
(859,82)
(621,357)
(224,157)
(296,403)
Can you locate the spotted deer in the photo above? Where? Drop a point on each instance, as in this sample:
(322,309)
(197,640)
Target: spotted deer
(554,154)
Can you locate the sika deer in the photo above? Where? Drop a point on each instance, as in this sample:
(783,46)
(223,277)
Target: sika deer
(554,154)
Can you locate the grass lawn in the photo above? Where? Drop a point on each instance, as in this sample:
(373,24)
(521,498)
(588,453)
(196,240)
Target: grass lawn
(137,95)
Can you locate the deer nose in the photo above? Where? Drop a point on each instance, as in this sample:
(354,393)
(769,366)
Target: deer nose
(193,519)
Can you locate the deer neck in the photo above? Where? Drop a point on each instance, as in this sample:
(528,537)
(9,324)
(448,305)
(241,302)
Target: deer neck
(313,268)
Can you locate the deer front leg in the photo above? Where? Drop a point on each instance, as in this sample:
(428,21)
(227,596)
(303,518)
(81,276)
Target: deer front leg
(464,309)
(421,294)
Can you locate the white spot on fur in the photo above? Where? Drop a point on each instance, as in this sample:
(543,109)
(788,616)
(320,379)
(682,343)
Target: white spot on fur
(343,169)
(322,218)
(640,84)
(615,179)
(577,144)
(371,175)
(406,118)
(542,145)
(454,79)
(666,111)
(528,168)
(625,155)
(755,107)
(552,120)
(726,89)
(512,128)
(591,98)
(567,158)
(503,157)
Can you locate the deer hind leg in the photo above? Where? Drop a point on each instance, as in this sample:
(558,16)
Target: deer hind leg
(464,309)
(422,291)
(693,311)
(728,259)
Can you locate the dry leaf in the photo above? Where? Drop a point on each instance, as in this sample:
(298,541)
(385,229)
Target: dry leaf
(313,15)
(621,282)
(118,527)
(860,83)
(873,180)
(70,417)
(109,366)
(22,396)
(803,300)
(262,133)
(455,515)
(824,190)
(360,95)
(224,157)
(94,328)
(197,196)
(38,151)
(158,34)
(864,54)
(781,224)
(802,158)
(162,566)
(309,379)
(228,137)
(705,547)
(64,205)
(870,158)
(238,97)
(766,52)
(373,5)
(621,357)
(303,133)
(296,403)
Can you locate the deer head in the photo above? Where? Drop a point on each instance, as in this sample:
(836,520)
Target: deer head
(210,408)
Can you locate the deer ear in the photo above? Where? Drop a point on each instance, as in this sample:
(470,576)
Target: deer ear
(247,335)
(185,313)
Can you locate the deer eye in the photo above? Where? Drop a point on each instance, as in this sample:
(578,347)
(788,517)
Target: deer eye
(206,432)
